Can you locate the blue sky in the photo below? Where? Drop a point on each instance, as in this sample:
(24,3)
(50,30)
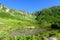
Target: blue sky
(30,5)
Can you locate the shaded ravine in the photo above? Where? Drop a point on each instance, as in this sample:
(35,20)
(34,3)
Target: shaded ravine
(25,32)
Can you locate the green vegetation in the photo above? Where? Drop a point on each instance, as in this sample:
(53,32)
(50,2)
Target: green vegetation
(48,16)
(48,20)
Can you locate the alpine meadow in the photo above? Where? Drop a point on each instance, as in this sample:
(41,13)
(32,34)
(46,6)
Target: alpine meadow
(22,25)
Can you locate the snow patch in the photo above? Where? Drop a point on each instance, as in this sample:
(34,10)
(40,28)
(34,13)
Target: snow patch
(7,10)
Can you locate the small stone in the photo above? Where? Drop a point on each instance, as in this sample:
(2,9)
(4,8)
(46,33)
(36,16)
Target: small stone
(52,38)
(1,23)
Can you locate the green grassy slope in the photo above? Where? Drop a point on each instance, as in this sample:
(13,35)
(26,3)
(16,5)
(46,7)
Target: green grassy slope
(15,19)
(48,16)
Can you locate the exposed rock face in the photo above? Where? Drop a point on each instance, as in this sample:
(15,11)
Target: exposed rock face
(24,32)
(1,6)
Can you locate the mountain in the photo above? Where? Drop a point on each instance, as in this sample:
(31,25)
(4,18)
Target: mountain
(15,18)
(48,16)
(43,18)
(12,21)
(14,14)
